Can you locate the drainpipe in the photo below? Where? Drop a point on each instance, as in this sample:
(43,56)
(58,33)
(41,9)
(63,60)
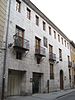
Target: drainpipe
(5,53)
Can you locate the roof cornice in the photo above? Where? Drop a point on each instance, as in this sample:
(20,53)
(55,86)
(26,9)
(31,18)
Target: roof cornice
(33,7)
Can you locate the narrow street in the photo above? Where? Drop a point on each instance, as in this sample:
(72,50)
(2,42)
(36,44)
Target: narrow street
(60,95)
(70,96)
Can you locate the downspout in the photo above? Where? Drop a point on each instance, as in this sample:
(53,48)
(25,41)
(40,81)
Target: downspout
(5,53)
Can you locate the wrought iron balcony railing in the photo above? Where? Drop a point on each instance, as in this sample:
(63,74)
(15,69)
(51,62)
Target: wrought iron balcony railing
(52,56)
(21,43)
(69,64)
(40,51)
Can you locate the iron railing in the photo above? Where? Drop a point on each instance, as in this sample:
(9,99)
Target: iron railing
(40,51)
(21,42)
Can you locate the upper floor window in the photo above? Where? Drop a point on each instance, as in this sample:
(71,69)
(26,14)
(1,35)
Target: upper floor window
(28,13)
(68,58)
(19,32)
(18,5)
(65,43)
(68,45)
(62,40)
(37,20)
(44,26)
(45,41)
(60,54)
(49,30)
(50,48)
(58,37)
(54,34)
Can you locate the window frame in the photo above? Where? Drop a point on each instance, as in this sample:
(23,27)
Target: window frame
(54,34)
(65,42)
(60,54)
(62,40)
(58,38)
(44,26)
(18,3)
(28,13)
(37,20)
(49,30)
(45,41)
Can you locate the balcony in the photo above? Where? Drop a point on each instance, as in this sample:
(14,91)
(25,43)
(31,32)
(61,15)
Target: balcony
(52,56)
(21,44)
(69,64)
(40,51)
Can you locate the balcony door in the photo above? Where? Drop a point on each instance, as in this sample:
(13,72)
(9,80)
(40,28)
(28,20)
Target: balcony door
(37,43)
(50,49)
(20,34)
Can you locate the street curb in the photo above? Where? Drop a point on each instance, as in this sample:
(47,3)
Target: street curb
(64,95)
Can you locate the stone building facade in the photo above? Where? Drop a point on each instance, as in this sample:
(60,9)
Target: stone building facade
(72,68)
(37,54)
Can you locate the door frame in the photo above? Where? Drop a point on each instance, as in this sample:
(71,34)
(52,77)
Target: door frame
(39,76)
(61,80)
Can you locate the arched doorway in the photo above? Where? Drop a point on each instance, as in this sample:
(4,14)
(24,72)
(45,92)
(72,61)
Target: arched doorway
(61,80)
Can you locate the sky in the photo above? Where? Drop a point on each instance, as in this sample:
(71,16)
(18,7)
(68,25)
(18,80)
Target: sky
(61,13)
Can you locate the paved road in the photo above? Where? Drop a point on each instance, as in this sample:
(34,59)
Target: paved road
(59,95)
(70,96)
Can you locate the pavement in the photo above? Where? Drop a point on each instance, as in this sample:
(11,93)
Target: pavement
(46,96)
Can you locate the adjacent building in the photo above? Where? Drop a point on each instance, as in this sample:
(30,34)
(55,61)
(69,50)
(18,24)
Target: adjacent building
(3,7)
(72,67)
(38,52)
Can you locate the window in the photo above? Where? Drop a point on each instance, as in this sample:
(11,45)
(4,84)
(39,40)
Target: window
(51,71)
(44,26)
(54,34)
(37,43)
(45,41)
(19,31)
(49,30)
(28,13)
(18,5)
(68,58)
(37,20)
(19,55)
(20,37)
(60,54)
(68,45)
(50,48)
(58,37)
(62,40)
(65,43)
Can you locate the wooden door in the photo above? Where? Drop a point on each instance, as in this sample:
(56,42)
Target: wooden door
(14,81)
(61,80)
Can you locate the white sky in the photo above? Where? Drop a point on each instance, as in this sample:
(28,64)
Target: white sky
(61,13)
